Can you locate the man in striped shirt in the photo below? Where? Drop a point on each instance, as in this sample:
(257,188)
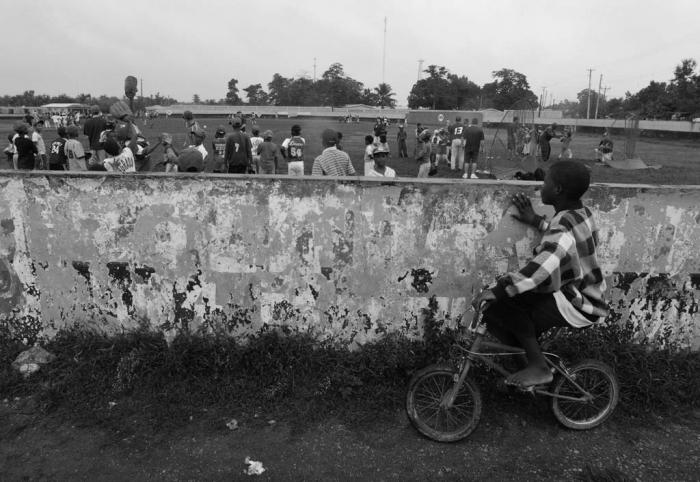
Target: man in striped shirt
(332,162)
(562,285)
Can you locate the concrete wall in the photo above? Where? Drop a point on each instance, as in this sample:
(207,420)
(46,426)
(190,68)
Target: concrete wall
(351,259)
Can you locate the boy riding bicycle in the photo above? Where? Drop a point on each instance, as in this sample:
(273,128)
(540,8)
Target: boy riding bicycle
(562,285)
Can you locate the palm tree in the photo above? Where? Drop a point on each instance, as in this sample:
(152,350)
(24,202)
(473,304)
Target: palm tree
(385,95)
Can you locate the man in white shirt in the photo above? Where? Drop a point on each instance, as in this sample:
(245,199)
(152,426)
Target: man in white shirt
(38,141)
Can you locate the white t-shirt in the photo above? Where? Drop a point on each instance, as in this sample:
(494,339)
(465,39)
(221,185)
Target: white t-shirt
(39,142)
(255,143)
(388,172)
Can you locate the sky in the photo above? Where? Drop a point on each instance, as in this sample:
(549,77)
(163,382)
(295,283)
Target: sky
(181,48)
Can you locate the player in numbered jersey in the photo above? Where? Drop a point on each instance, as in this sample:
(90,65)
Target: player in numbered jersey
(457,131)
(75,150)
(293,151)
(218,146)
(58,161)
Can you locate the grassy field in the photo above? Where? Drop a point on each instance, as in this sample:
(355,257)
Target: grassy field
(679,159)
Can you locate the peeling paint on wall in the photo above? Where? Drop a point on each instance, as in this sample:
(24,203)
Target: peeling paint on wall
(349,259)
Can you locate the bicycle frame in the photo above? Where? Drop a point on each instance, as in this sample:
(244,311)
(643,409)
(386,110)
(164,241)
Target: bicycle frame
(474,355)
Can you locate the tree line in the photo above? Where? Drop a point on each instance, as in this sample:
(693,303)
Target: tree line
(437,89)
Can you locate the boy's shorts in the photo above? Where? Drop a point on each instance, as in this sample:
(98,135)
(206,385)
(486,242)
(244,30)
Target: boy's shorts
(528,314)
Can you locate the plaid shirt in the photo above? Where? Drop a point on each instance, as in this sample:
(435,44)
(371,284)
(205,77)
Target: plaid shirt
(565,260)
(332,162)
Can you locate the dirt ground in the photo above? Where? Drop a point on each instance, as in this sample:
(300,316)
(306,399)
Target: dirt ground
(523,442)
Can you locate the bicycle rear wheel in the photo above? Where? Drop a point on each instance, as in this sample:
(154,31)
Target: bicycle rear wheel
(596,378)
(427,389)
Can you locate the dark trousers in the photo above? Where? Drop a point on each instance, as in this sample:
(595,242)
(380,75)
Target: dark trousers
(545,149)
(403,148)
(526,315)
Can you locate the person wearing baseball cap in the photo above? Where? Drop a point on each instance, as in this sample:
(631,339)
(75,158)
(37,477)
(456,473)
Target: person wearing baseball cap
(218,146)
(270,156)
(93,128)
(191,125)
(332,162)
(238,153)
(381,156)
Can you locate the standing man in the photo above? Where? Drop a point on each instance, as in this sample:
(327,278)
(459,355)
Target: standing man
(57,155)
(473,136)
(38,141)
(238,152)
(74,150)
(92,129)
(513,129)
(457,136)
(24,147)
(218,146)
(401,140)
(293,151)
(548,134)
(191,126)
(332,162)
(422,153)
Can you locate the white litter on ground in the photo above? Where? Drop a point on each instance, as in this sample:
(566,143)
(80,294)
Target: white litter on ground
(254,467)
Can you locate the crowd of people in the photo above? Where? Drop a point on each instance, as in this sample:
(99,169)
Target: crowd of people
(119,145)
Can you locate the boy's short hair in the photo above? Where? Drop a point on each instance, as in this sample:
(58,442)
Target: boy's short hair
(573,177)
(61,131)
(73,131)
(296,129)
(267,134)
(256,131)
(369,140)
(475,121)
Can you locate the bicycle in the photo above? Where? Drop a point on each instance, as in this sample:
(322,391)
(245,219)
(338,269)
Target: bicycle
(444,403)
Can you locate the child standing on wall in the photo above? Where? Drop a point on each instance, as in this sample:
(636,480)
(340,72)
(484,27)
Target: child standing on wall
(562,285)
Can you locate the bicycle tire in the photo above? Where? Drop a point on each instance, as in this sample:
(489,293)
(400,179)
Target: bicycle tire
(595,377)
(425,392)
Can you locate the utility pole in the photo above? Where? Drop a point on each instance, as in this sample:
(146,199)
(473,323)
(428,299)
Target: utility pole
(597,100)
(588,110)
(420,67)
(542,101)
(384,54)
(141,79)
(314,69)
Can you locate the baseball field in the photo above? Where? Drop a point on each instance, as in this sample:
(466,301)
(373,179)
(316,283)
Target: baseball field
(679,160)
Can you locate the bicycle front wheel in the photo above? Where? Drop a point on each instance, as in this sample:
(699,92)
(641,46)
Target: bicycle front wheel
(427,390)
(599,381)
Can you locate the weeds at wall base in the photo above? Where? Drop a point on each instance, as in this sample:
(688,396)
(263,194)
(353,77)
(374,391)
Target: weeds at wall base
(106,380)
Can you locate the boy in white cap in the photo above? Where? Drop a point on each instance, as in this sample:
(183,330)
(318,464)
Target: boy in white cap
(380,169)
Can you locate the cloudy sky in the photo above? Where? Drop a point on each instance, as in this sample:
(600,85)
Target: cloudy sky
(181,48)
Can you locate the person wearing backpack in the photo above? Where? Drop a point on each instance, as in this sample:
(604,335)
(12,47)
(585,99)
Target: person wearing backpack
(238,152)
